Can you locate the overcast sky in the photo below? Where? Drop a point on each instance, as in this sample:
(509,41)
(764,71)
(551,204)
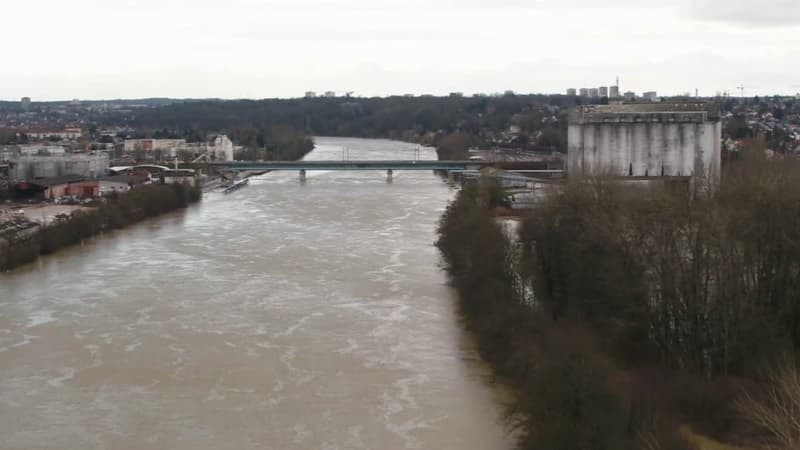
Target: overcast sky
(92,49)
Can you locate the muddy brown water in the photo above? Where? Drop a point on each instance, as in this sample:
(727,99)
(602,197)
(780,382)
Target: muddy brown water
(282,316)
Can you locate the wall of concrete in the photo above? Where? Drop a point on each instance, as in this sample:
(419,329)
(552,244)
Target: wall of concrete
(33,167)
(649,144)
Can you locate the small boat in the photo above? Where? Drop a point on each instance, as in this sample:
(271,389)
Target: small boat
(237,185)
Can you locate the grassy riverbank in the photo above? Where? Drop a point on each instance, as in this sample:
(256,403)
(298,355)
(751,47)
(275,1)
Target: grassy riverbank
(113,213)
(653,314)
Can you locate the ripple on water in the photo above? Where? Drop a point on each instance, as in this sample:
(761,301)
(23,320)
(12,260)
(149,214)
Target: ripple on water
(282,316)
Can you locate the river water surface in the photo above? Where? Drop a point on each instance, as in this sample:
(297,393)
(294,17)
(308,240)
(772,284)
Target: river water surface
(282,316)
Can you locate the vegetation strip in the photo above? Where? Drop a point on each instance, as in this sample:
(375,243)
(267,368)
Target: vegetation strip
(113,213)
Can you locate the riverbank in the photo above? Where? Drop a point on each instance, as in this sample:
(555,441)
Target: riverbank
(18,248)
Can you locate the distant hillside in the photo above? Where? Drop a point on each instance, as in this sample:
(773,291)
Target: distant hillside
(522,121)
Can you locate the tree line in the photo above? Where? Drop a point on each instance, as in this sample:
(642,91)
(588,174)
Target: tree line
(424,119)
(654,307)
(271,143)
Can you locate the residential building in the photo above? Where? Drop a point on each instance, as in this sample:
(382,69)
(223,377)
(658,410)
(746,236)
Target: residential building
(40,149)
(572,92)
(603,91)
(584,92)
(613,92)
(68,134)
(594,92)
(650,96)
(166,146)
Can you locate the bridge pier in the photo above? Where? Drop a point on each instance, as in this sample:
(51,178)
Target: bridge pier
(302,175)
(450,178)
(389,175)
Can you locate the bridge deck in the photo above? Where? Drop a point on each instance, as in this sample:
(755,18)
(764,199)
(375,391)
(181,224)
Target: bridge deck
(353,165)
(532,167)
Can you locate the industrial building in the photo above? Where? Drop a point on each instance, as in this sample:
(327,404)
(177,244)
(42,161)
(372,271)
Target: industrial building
(645,140)
(29,168)
(67,134)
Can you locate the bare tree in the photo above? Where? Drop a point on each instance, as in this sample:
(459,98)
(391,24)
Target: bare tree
(776,411)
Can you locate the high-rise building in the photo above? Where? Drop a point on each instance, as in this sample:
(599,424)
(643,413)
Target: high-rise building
(572,92)
(603,91)
(630,95)
(25,103)
(584,92)
(594,92)
(650,96)
(311,94)
(613,92)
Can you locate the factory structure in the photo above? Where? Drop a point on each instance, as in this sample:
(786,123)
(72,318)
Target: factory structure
(31,167)
(646,140)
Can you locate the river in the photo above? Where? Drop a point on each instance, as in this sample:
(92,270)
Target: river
(286,315)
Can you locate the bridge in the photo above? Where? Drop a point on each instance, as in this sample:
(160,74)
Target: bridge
(416,164)
(388,165)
